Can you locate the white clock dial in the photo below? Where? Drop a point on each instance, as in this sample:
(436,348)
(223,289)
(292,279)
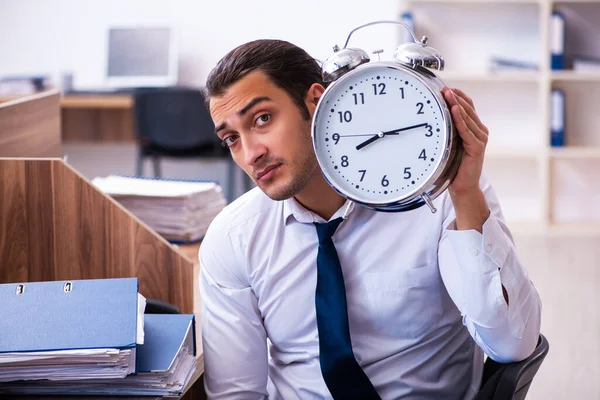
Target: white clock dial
(379,134)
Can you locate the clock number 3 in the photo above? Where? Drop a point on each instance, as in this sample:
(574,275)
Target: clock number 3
(430,131)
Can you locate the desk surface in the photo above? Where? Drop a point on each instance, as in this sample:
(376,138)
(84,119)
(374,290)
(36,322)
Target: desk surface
(94,116)
(90,101)
(97,101)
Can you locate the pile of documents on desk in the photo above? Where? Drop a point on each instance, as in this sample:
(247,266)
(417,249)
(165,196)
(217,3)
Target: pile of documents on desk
(180,211)
(91,337)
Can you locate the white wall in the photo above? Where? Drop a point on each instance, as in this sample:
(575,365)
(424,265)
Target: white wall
(47,37)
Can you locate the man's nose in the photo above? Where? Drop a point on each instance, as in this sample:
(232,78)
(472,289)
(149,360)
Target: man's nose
(254,150)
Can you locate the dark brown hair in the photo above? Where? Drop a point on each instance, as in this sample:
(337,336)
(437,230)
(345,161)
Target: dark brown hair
(287,65)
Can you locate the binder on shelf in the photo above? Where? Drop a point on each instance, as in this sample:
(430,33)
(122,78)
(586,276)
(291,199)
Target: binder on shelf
(557,122)
(407,18)
(80,329)
(166,363)
(557,41)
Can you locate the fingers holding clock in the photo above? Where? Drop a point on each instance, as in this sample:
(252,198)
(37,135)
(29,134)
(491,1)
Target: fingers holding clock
(469,107)
(466,119)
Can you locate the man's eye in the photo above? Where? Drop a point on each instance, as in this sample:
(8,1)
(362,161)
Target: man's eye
(229,140)
(263,119)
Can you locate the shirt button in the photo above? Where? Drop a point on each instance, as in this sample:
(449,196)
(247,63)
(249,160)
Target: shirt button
(475,252)
(488,248)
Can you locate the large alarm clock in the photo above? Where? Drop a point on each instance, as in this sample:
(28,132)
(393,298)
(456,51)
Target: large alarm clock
(382,132)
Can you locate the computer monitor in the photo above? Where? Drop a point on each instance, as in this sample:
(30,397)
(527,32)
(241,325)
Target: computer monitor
(141,57)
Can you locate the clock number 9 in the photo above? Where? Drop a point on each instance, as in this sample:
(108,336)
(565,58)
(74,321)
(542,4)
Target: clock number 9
(336,137)
(345,162)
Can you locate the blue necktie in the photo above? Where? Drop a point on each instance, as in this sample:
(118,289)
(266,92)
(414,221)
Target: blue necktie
(344,378)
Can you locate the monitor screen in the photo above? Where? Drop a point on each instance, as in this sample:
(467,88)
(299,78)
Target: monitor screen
(141,56)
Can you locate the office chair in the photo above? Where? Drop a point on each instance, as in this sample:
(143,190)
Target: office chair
(174,122)
(511,381)
(154,306)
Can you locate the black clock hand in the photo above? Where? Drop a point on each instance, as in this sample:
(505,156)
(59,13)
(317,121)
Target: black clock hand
(383,134)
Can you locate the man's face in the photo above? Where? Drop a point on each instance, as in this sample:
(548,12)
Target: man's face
(267,135)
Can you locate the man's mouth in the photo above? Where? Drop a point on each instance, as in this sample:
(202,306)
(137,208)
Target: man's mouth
(266,173)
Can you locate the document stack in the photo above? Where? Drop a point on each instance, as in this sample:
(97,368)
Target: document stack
(180,211)
(586,64)
(91,337)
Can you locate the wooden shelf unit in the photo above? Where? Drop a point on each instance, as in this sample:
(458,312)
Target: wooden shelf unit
(530,175)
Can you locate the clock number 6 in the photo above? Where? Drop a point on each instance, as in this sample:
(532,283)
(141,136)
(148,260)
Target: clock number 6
(385,182)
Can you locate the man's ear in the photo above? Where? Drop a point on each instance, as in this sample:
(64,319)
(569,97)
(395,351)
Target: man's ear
(312,97)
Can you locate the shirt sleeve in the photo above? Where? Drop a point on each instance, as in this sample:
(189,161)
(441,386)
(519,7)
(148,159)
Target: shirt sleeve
(474,267)
(233,336)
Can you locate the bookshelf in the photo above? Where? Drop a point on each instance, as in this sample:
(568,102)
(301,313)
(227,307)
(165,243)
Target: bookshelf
(543,189)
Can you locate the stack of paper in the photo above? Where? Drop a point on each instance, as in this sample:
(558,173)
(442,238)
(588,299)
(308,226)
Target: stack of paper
(57,331)
(165,364)
(180,211)
(586,64)
(502,64)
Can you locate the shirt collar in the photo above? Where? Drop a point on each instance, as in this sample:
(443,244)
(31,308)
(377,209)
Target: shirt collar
(291,208)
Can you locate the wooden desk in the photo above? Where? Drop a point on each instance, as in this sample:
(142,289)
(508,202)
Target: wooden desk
(95,118)
(55,225)
(104,118)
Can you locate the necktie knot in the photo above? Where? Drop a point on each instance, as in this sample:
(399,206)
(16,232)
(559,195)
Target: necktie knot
(326,230)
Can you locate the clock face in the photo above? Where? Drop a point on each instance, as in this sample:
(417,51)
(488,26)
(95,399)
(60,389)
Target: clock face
(380,134)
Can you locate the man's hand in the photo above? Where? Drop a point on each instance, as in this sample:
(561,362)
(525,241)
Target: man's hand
(467,197)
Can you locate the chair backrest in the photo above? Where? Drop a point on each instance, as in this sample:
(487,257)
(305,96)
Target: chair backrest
(512,381)
(173,118)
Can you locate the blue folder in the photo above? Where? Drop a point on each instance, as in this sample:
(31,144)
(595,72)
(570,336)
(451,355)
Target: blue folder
(61,315)
(164,335)
(167,338)
(557,41)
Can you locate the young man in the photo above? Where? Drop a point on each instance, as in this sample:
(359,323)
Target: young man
(422,294)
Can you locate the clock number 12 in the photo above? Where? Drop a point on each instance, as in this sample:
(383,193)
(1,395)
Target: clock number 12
(379,88)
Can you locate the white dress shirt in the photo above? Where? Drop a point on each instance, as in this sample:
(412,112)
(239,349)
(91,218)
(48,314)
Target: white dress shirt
(423,300)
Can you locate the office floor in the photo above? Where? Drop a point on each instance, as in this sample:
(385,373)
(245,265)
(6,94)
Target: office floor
(565,272)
